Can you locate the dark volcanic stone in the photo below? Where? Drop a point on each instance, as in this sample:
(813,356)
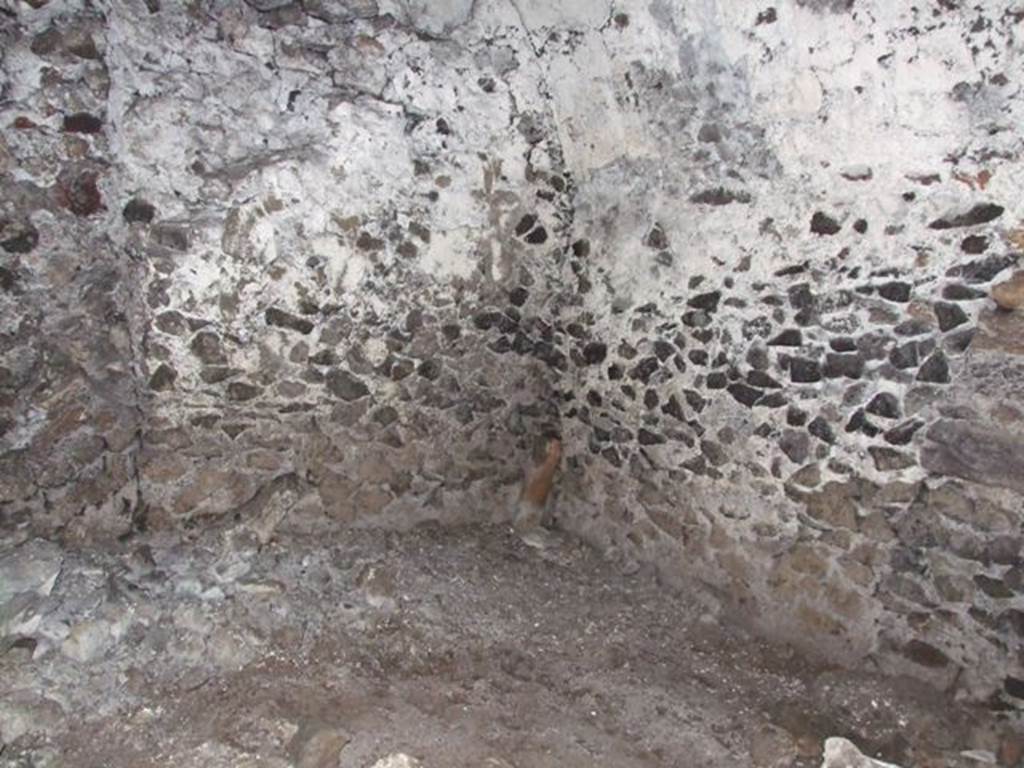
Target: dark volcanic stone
(549,355)
(983,270)
(755,328)
(803,370)
(796,445)
(843,344)
(709,133)
(791,337)
(163,378)
(706,301)
(860,226)
(822,430)
(218,373)
(889,459)
(717,380)
(935,369)
(982,213)
(926,655)
(518,296)
(206,346)
(526,223)
(801,297)
(958,292)
(904,356)
(429,370)
(82,122)
(823,224)
(344,385)
(895,291)
(748,396)
(763,380)
(537,236)
(674,408)
(859,423)
(401,369)
(171,322)
(80,194)
(595,352)
(714,452)
(873,346)
(138,211)
(912,327)
(758,358)
(981,453)
(170,236)
(282,319)
(720,196)
(367,242)
(323,357)
(960,341)
(903,433)
(611,455)
(698,356)
(694,400)
(484,321)
(949,315)
(385,416)
(643,370)
(241,391)
(646,437)
(696,319)
(850,366)
(974,244)
(656,238)
(24,239)
(993,587)
(796,417)
(663,350)
(886,405)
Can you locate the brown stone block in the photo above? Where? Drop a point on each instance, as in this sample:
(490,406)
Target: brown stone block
(1000,331)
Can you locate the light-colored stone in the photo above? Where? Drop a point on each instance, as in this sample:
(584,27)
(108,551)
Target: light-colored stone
(397,760)
(25,711)
(30,567)
(87,641)
(842,753)
(1009,294)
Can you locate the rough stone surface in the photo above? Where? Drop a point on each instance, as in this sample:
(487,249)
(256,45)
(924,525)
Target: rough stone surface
(385,247)
(975,452)
(332,646)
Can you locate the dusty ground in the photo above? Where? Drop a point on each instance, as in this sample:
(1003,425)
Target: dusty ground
(460,647)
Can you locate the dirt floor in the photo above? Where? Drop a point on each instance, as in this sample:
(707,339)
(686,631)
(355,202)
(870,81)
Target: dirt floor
(456,647)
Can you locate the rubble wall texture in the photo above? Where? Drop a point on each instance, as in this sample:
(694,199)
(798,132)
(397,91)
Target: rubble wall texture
(313,217)
(791,383)
(363,255)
